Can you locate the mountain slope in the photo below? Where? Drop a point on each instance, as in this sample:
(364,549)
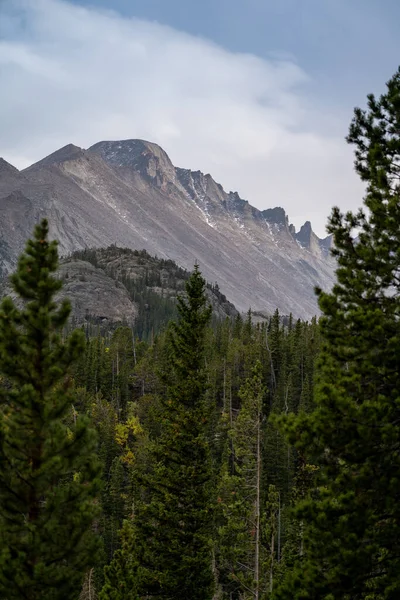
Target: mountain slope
(107,286)
(129,193)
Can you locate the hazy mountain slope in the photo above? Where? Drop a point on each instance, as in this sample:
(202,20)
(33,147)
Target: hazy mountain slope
(130,194)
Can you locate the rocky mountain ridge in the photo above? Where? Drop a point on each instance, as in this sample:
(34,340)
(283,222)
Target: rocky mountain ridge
(110,286)
(129,193)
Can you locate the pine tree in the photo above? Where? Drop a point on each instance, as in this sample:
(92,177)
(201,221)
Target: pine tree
(121,574)
(271,535)
(240,496)
(352,519)
(173,521)
(48,471)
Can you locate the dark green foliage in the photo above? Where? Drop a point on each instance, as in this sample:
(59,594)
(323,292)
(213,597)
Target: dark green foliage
(121,575)
(143,276)
(152,283)
(239,550)
(190,456)
(141,378)
(174,518)
(48,465)
(352,531)
(114,505)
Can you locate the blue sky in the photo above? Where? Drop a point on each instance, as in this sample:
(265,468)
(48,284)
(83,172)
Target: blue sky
(257,92)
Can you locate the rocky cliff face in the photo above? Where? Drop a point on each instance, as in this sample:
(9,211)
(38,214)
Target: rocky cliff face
(116,285)
(129,193)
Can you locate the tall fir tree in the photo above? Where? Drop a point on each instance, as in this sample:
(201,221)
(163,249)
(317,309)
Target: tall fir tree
(174,519)
(352,519)
(121,575)
(240,560)
(49,473)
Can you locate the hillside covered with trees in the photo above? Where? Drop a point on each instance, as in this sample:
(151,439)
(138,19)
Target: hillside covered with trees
(217,458)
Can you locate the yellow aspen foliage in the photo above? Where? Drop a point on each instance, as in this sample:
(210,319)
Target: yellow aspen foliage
(125,436)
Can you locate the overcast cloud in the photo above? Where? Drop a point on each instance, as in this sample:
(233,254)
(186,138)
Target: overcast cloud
(79,75)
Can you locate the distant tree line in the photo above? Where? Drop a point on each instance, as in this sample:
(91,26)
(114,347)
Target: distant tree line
(212,460)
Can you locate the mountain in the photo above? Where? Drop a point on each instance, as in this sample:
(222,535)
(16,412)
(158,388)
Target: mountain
(129,193)
(108,286)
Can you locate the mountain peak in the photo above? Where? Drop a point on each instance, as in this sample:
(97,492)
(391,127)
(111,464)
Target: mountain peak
(148,158)
(6,168)
(306,228)
(308,239)
(66,153)
(276,215)
(125,153)
(128,193)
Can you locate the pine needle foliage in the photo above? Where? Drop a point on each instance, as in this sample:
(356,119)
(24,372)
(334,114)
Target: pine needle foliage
(49,473)
(352,519)
(174,523)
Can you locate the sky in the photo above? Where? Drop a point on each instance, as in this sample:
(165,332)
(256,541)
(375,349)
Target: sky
(259,93)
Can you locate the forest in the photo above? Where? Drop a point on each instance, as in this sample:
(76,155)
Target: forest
(215,459)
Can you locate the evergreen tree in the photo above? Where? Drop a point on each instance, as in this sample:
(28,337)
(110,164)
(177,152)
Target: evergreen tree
(352,519)
(271,536)
(48,471)
(174,519)
(121,575)
(239,552)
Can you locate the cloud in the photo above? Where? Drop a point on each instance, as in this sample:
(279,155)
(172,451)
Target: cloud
(80,75)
